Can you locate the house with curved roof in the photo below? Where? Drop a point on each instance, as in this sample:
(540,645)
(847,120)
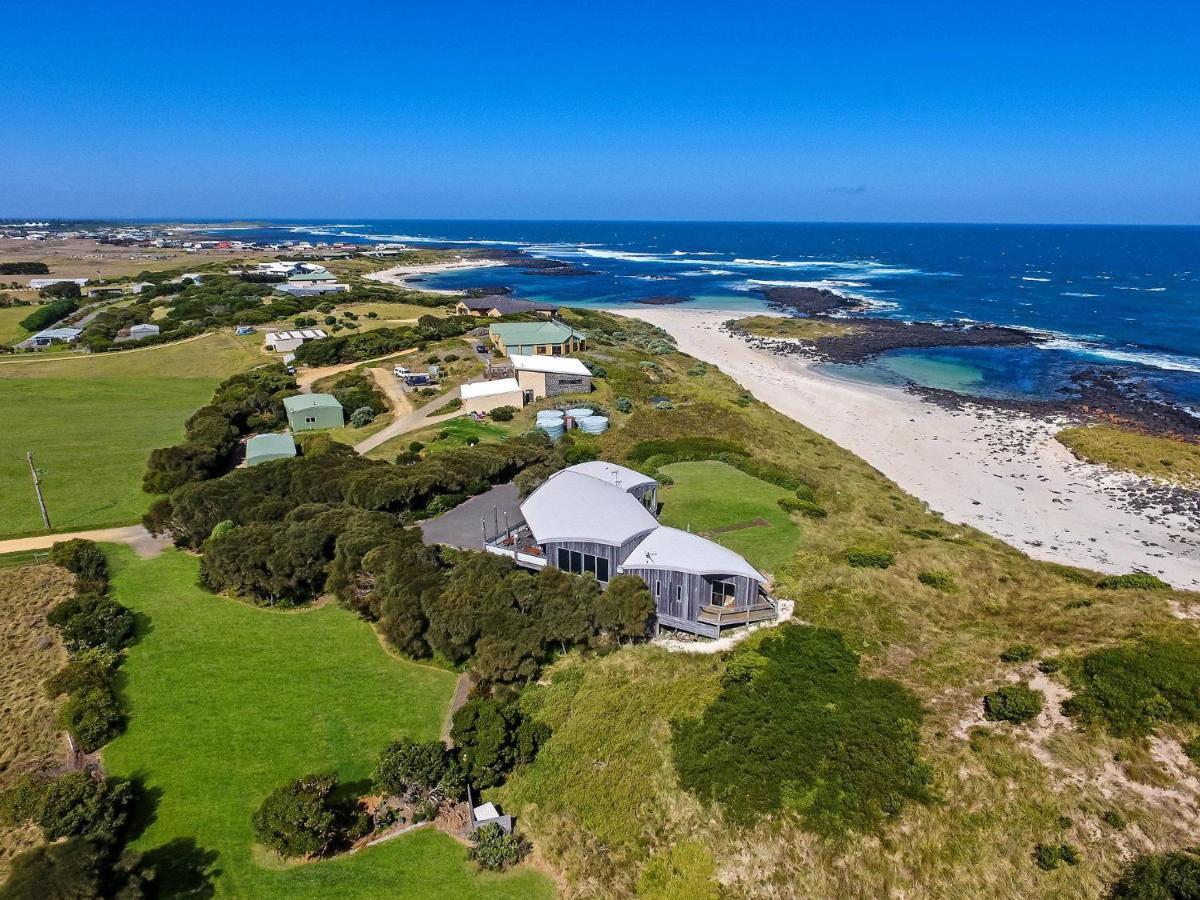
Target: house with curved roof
(599,518)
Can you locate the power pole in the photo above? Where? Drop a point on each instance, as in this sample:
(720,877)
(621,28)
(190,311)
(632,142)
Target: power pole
(37,486)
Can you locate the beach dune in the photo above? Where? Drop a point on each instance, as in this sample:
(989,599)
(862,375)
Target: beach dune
(1000,472)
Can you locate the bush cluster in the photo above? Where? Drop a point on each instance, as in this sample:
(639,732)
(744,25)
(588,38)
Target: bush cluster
(1160,876)
(71,805)
(1018,653)
(494,848)
(305,818)
(24,268)
(493,738)
(48,313)
(939,581)
(840,750)
(250,401)
(355,390)
(504,413)
(1133,581)
(1048,856)
(94,628)
(861,558)
(1131,690)
(381,341)
(804,507)
(1016,703)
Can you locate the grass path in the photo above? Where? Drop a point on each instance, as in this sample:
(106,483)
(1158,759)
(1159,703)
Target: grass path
(228,701)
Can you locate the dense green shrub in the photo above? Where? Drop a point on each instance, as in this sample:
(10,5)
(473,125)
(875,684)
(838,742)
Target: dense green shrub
(88,621)
(804,507)
(362,417)
(1113,819)
(74,804)
(381,341)
(1161,876)
(454,404)
(685,449)
(1015,703)
(1133,581)
(74,869)
(939,581)
(358,389)
(1048,856)
(623,404)
(48,313)
(92,718)
(85,560)
(861,558)
(503,413)
(807,733)
(24,268)
(419,772)
(494,848)
(1130,690)
(301,818)
(1049,665)
(493,738)
(1018,653)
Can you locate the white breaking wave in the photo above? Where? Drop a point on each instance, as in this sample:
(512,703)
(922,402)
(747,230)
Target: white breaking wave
(1029,278)
(1167,361)
(1078,294)
(706,272)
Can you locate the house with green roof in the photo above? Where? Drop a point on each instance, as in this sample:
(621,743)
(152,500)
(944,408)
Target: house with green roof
(309,412)
(264,447)
(553,338)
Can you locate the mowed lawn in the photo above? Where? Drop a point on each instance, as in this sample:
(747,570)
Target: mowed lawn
(708,496)
(10,331)
(91,421)
(228,701)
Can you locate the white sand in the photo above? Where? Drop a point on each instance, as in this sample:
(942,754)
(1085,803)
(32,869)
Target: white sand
(999,472)
(401,275)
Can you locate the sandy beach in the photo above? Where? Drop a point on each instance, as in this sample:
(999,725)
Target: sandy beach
(1000,472)
(402,275)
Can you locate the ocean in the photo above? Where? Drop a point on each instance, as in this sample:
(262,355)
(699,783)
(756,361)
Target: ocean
(1119,299)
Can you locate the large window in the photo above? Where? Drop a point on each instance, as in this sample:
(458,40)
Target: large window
(579,563)
(723,593)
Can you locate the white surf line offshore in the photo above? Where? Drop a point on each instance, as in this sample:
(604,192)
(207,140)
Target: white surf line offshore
(1001,473)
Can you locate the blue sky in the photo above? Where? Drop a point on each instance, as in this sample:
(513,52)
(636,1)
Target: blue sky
(857,111)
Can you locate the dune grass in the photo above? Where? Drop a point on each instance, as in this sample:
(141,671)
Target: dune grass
(91,421)
(228,701)
(710,497)
(790,327)
(1158,457)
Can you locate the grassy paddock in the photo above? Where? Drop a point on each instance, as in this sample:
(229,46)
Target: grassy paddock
(29,741)
(1158,457)
(228,701)
(91,421)
(10,331)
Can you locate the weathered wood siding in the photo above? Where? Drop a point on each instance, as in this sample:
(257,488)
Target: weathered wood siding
(681,595)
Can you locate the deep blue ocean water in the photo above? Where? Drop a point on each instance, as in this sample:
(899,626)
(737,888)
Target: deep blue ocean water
(1125,299)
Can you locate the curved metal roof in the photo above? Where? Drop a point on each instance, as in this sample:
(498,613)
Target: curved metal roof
(682,551)
(611,473)
(572,506)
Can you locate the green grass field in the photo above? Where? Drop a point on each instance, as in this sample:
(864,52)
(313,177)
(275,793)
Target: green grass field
(1158,457)
(91,421)
(10,331)
(458,432)
(711,495)
(228,701)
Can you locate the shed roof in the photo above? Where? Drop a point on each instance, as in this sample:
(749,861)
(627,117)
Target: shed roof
(506,305)
(559,365)
(534,332)
(299,402)
(682,551)
(571,506)
(489,388)
(59,334)
(611,473)
(269,446)
(322,275)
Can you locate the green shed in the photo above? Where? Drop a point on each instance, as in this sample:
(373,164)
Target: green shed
(264,447)
(308,412)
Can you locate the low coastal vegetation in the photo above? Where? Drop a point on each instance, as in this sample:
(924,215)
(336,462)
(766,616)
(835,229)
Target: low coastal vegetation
(791,327)
(1165,458)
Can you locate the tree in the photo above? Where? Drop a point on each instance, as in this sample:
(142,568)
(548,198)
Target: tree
(495,848)
(71,870)
(493,738)
(299,818)
(416,770)
(71,805)
(625,609)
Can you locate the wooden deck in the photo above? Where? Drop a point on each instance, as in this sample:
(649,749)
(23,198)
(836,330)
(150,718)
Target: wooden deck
(713,618)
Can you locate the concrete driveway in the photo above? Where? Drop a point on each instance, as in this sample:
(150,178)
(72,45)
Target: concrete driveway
(461,526)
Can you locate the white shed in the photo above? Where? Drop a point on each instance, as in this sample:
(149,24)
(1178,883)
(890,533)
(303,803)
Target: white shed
(484,396)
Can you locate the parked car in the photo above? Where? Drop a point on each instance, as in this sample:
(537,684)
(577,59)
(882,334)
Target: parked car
(480,348)
(399,371)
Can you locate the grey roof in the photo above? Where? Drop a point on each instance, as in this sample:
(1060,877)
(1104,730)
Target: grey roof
(59,334)
(572,506)
(269,446)
(300,402)
(681,551)
(611,473)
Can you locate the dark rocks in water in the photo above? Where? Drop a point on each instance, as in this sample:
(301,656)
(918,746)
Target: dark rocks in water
(662,300)
(810,301)
(872,337)
(490,290)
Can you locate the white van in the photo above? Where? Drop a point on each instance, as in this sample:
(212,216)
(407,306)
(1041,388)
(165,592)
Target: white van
(399,371)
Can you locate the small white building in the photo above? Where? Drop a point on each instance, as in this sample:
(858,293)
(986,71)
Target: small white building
(55,336)
(287,341)
(484,396)
(547,376)
(38,283)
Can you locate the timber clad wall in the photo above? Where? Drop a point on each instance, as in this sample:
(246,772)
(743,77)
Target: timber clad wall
(695,593)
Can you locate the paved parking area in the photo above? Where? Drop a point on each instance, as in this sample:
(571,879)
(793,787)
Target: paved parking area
(461,526)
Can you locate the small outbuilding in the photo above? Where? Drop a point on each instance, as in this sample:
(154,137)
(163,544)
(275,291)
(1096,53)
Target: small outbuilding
(266,447)
(310,412)
(287,341)
(145,330)
(484,396)
(548,376)
(50,336)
